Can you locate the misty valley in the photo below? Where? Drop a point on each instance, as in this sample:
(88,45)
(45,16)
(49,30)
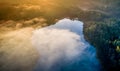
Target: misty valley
(59,35)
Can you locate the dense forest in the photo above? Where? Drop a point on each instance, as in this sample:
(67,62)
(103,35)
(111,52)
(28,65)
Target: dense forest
(105,37)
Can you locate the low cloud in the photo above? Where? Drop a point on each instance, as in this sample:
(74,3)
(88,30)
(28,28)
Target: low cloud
(28,7)
(62,47)
(6,26)
(16,51)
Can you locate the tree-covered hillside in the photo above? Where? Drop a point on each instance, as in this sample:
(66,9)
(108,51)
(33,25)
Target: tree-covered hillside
(105,36)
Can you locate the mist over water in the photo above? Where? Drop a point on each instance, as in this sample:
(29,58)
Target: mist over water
(62,47)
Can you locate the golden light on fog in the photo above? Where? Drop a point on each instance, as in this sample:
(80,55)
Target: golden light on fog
(18,51)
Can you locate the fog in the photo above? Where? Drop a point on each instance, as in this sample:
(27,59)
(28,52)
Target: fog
(62,47)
